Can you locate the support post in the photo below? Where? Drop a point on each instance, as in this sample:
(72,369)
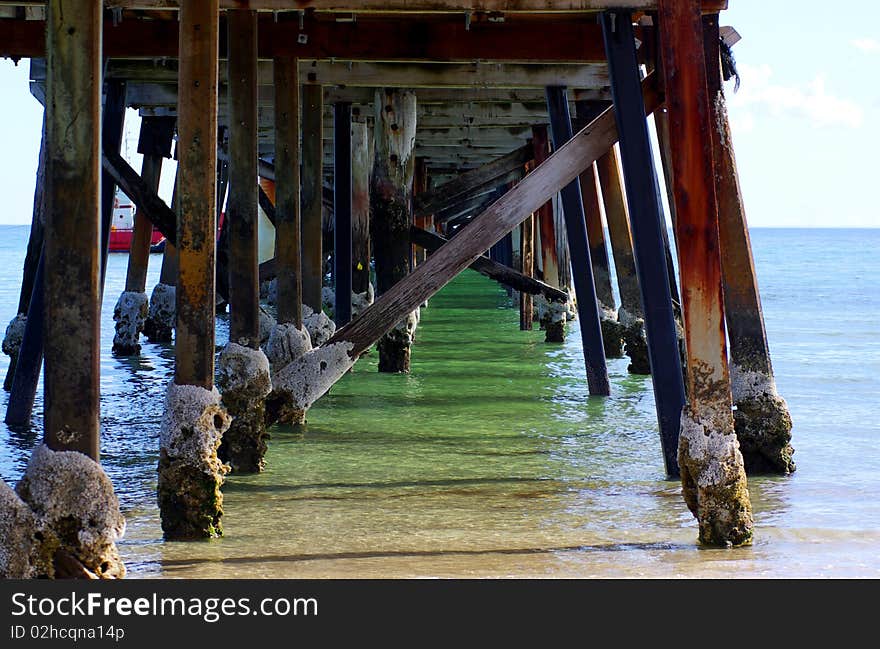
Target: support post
(551,317)
(132,307)
(342,212)
(312,187)
(527,261)
(30,356)
(190,473)
(712,472)
(66,513)
(361,166)
(578,245)
(420,188)
(162,312)
(646,221)
(287,204)
(391,209)
(630,316)
(244,369)
(15,330)
(761,419)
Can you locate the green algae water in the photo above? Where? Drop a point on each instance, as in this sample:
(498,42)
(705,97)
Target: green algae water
(491,460)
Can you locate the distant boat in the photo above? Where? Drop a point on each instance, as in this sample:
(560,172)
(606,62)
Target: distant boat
(122,226)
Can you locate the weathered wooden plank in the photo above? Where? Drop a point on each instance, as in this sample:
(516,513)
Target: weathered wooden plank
(493,270)
(712,473)
(146,200)
(71,249)
(484,177)
(197,179)
(417,6)
(558,170)
(400,75)
(369,39)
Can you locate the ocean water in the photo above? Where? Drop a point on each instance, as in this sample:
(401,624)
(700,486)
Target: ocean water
(490,459)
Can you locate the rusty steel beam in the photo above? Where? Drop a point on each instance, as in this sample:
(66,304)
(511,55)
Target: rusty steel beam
(241,208)
(762,420)
(712,472)
(311,192)
(197,180)
(72,261)
(287,203)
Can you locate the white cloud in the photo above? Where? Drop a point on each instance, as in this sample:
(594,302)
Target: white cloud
(811,101)
(867,45)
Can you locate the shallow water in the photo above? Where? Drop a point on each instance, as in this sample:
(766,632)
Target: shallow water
(490,459)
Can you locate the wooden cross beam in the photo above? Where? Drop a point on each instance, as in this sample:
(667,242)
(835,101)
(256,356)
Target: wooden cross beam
(471,182)
(492,269)
(558,170)
(409,6)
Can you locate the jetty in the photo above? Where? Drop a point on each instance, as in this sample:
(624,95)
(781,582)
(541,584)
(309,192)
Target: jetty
(392,144)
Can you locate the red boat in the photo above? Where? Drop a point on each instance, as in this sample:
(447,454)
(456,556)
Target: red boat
(122,226)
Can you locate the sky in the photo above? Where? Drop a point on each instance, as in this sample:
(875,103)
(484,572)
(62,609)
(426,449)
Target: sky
(804,120)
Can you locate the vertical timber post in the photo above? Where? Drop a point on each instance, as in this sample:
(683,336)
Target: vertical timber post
(79,517)
(712,472)
(132,307)
(287,203)
(342,208)
(15,331)
(646,221)
(162,313)
(552,316)
(578,245)
(30,355)
(761,419)
(361,165)
(391,210)
(630,316)
(527,263)
(190,473)
(72,263)
(312,166)
(244,369)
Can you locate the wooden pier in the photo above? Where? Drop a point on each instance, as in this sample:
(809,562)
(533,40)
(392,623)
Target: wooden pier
(406,140)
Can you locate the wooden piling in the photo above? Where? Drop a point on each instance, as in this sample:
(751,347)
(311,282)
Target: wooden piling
(578,245)
(630,316)
(554,327)
(112,128)
(287,203)
(762,421)
(527,264)
(391,210)
(72,261)
(311,194)
(361,166)
(29,270)
(712,472)
(647,222)
(241,210)
(342,212)
(197,178)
